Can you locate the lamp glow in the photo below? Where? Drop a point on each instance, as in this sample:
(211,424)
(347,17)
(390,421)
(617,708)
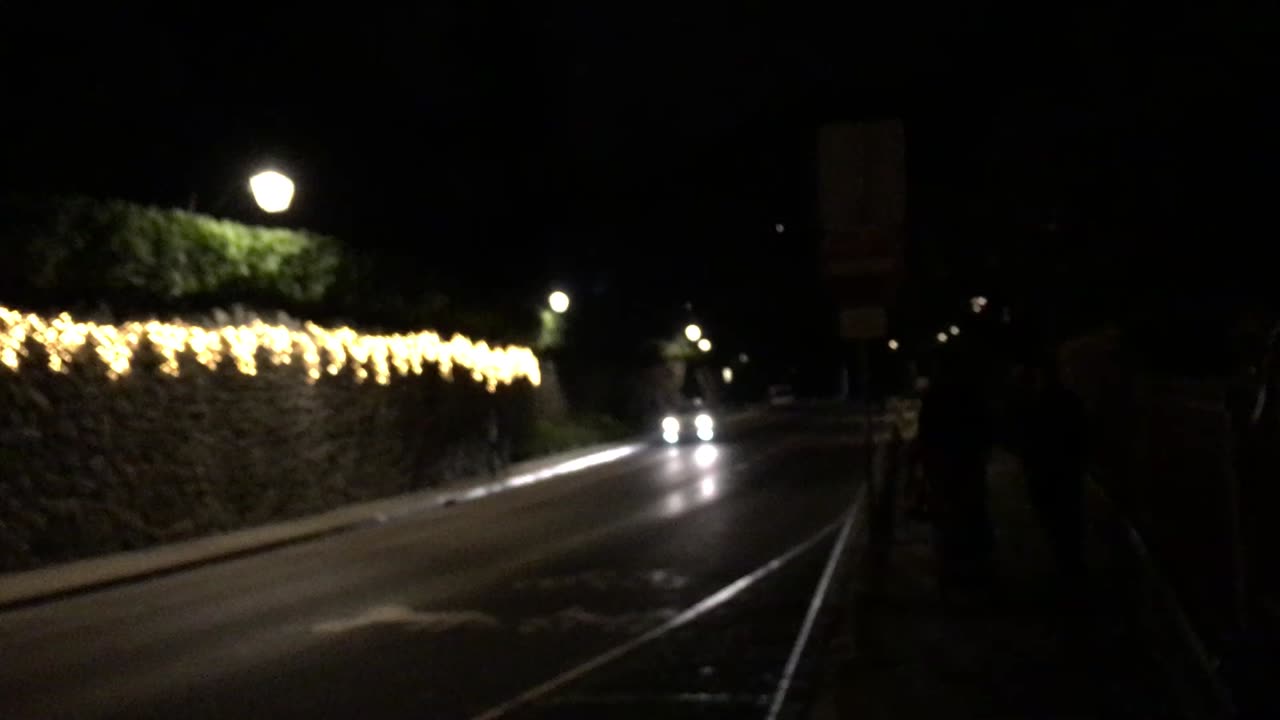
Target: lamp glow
(693,332)
(272,191)
(559,301)
(704,345)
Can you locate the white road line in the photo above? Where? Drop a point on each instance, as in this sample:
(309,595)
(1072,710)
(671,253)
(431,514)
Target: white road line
(721,596)
(815,605)
(564,468)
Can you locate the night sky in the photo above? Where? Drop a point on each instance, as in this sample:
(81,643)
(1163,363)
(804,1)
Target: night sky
(647,151)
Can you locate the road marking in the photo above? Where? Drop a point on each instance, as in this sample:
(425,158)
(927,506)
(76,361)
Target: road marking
(815,605)
(564,468)
(693,698)
(579,617)
(601,580)
(412,619)
(711,602)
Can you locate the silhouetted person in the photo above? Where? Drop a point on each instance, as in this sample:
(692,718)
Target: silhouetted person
(1053,456)
(955,443)
(495,441)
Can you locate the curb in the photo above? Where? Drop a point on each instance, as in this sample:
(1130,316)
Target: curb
(32,587)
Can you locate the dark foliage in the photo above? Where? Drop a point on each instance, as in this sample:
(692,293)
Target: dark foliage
(71,251)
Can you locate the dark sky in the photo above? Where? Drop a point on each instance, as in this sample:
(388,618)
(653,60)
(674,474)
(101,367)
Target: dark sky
(616,150)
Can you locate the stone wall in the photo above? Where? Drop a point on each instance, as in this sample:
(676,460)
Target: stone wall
(90,466)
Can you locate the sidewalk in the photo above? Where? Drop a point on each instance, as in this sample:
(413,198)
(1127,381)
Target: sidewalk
(898,653)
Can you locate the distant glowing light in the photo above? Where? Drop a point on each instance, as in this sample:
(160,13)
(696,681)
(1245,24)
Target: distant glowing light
(670,425)
(779,228)
(559,301)
(743,358)
(704,345)
(893,344)
(954,329)
(703,421)
(671,437)
(272,191)
(726,374)
(706,434)
(693,332)
(65,341)
(943,337)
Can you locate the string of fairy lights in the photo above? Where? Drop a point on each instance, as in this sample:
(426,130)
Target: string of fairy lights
(318,350)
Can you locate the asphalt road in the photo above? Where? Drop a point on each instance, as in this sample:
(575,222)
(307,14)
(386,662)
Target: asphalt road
(454,612)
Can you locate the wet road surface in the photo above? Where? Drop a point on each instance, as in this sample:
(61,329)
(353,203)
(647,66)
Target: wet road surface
(460,611)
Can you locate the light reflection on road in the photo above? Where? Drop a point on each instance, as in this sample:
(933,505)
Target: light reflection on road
(707,487)
(705,456)
(674,504)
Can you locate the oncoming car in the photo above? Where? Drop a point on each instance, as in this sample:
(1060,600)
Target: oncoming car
(687,426)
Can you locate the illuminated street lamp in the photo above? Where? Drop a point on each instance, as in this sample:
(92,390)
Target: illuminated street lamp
(943,337)
(977,303)
(272,191)
(726,374)
(893,344)
(954,329)
(693,332)
(559,301)
(704,345)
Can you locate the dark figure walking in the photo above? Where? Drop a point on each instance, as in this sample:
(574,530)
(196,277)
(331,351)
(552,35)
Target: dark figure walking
(1053,456)
(495,441)
(955,442)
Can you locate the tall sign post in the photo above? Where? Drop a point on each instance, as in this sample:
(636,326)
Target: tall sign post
(862,181)
(862,187)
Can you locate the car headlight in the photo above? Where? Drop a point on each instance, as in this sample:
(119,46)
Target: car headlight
(670,425)
(702,422)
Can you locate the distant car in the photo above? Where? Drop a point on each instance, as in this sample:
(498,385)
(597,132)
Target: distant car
(688,424)
(781,395)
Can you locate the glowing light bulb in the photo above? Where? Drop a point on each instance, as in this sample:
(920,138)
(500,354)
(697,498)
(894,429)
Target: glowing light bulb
(272,191)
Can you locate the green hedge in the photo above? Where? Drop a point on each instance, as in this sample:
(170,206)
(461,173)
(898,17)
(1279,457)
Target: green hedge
(117,251)
(553,436)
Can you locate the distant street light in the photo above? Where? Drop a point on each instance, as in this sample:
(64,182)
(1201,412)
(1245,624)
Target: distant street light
(743,358)
(704,345)
(893,344)
(272,191)
(559,301)
(779,228)
(954,329)
(943,337)
(726,374)
(977,303)
(693,332)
